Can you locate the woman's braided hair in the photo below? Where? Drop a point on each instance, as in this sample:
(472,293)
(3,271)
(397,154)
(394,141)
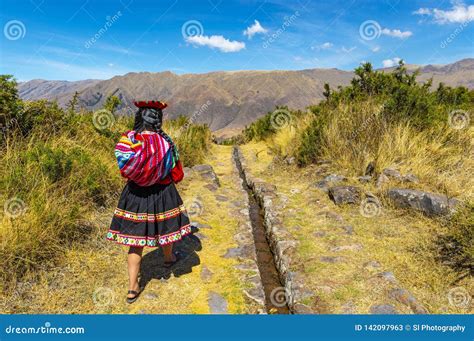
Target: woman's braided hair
(140,125)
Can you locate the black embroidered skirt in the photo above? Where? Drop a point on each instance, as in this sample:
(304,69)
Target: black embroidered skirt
(149,216)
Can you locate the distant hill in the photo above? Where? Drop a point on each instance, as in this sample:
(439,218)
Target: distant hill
(227,101)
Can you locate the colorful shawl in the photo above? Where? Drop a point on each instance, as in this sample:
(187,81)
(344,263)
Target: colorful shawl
(145,158)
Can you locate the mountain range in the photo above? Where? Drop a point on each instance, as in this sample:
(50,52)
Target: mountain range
(226,100)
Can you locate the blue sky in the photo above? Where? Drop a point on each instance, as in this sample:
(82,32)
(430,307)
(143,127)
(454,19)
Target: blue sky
(72,40)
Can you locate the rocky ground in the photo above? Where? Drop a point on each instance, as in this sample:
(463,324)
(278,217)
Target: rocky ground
(344,250)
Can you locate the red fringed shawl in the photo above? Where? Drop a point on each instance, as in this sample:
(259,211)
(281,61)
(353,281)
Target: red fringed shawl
(147,159)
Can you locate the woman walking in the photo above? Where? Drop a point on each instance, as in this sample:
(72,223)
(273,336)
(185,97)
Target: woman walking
(150,211)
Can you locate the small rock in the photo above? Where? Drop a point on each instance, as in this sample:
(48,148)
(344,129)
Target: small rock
(381,180)
(201,226)
(365,179)
(373,264)
(325,289)
(207,173)
(381,309)
(330,259)
(428,203)
(388,276)
(300,308)
(344,195)
(332,215)
(203,168)
(239,252)
(217,303)
(348,308)
(354,247)
(264,187)
(405,297)
(335,178)
(150,296)
(410,178)
(290,160)
(369,170)
(206,274)
(221,198)
(329,180)
(187,172)
(238,204)
(322,185)
(392,173)
(319,234)
(212,187)
(348,229)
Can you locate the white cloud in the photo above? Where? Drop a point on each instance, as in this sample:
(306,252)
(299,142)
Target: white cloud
(254,29)
(218,42)
(422,11)
(325,46)
(376,49)
(459,13)
(390,62)
(396,33)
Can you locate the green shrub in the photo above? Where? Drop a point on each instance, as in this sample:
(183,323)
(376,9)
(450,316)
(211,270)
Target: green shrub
(193,140)
(310,140)
(456,247)
(260,129)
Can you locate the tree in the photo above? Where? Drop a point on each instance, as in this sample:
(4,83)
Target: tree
(112,103)
(10,103)
(327,91)
(71,106)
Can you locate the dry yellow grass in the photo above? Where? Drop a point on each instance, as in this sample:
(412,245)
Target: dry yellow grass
(355,136)
(400,242)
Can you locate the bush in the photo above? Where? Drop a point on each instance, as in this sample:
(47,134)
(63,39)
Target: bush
(457,245)
(193,140)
